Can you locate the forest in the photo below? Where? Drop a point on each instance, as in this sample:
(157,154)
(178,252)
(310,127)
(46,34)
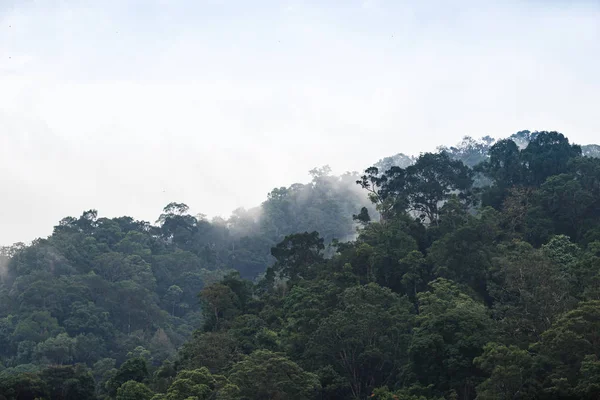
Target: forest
(472,272)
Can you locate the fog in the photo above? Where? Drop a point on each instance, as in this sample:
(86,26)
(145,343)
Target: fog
(124,106)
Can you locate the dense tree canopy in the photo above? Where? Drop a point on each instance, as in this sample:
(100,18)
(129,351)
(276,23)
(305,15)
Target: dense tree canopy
(470,273)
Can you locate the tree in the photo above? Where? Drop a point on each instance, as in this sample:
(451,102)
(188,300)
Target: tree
(219,303)
(132,306)
(562,251)
(200,384)
(571,347)
(88,318)
(431,181)
(586,171)
(243,289)
(366,338)
(564,203)
(465,253)
(515,208)
(411,393)
(132,390)
(386,190)
(529,291)
(585,274)
(363,216)
(504,167)
(6,329)
(173,209)
(307,304)
(69,382)
(298,255)
(271,376)
(173,296)
(161,346)
(379,250)
(134,369)
(38,326)
(176,225)
(451,329)
(16,386)
(548,154)
(57,350)
(103,370)
(511,373)
(180,268)
(416,274)
(116,267)
(217,351)
(469,150)
(588,386)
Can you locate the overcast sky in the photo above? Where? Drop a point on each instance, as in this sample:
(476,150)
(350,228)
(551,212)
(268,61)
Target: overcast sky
(126,105)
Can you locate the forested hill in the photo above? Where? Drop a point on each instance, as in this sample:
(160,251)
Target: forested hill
(475,151)
(473,272)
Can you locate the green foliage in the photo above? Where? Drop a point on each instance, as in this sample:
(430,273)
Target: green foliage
(215,350)
(432,179)
(200,384)
(571,346)
(511,373)
(38,326)
(529,289)
(451,329)
(53,382)
(69,382)
(268,375)
(422,294)
(420,188)
(412,393)
(220,304)
(465,253)
(58,350)
(548,154)
(132,390)
(134,369)
(15,385)
(298,256)
(366,338)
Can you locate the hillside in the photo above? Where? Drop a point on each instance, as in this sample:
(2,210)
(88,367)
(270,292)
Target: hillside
(468,273)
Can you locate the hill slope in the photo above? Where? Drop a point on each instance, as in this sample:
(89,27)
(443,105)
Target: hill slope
(438,295)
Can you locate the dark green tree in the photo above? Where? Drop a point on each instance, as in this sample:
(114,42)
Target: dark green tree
(451,329)
(270,376)
(132,390)
(366,339)
(134,369)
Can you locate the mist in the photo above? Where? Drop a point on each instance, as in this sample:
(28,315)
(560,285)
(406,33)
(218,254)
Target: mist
(104,107)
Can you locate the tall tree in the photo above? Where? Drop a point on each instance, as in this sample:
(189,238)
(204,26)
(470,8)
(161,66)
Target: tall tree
(432,179)
(548,154)
(451,329)
(272,376)
(366,338)
(298,255)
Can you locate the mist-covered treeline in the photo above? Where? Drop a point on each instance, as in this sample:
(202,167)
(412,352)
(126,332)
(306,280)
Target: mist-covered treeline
(468,273)
(98,288)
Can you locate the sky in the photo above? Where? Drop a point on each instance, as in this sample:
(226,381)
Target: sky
(126,105)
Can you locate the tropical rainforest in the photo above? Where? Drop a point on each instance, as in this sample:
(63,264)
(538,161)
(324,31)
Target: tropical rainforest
(472,272)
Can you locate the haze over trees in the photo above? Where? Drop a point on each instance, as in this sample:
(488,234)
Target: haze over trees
(470,273)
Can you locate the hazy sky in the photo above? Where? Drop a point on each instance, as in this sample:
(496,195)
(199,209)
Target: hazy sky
(125,105)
